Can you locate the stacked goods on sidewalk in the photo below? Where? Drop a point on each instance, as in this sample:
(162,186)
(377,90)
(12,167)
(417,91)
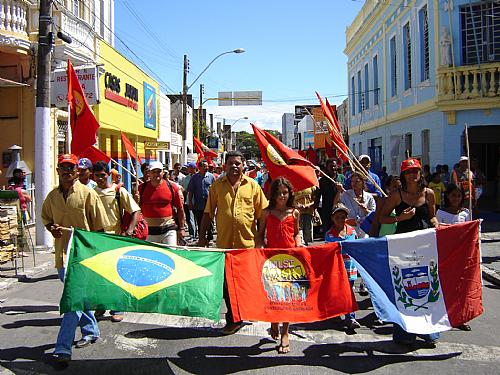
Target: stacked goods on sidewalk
(8,232)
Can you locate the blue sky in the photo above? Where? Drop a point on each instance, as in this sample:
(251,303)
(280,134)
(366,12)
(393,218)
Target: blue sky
(293,48)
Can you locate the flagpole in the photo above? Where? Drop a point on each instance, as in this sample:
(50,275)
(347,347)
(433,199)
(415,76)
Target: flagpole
(132,165)
(469,172)
(68,130)
(125,169)
(354,161)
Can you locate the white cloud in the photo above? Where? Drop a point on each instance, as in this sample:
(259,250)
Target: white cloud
(267,116)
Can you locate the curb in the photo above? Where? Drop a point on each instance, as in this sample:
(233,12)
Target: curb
(491,275)
(7,282)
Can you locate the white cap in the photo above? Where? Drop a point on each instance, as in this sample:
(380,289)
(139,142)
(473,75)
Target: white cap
(361,157)
(155,165)
(464,158)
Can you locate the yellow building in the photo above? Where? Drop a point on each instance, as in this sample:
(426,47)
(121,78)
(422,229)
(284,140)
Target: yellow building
(129,103)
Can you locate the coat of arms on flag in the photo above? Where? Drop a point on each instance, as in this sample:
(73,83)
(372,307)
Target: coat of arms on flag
(426,281)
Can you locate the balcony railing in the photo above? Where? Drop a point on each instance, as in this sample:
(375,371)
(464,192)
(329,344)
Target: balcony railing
(469,82)
(14,17)
(80,31)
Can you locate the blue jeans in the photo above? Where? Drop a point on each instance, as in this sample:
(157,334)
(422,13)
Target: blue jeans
(85,319)
(351,315)
(400,335)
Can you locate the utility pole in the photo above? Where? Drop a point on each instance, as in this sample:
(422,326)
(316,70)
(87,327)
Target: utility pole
(43,138)
(184,107)
(200,113)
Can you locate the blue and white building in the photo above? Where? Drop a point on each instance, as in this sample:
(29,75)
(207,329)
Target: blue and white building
(419,70)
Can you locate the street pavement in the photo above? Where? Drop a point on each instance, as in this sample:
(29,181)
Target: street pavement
(155,343)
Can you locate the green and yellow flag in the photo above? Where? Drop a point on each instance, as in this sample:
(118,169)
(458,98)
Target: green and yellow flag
(111,272)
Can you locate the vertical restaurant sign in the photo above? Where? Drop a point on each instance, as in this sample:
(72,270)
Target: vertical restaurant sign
(149,106)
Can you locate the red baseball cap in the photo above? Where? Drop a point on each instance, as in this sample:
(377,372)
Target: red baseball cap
(410,164)
(67,158)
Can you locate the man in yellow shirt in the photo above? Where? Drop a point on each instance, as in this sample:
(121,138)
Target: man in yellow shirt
(236,201)
(109,193)
(72,204)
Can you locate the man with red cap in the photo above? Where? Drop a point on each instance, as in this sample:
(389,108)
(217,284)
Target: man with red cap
(72,204)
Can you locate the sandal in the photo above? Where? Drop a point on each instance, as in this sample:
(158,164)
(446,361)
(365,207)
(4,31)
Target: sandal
(283,349)
(274,331)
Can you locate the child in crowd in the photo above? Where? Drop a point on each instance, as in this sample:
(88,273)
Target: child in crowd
(340,231)
(438,187)
(279,225)
(453,213)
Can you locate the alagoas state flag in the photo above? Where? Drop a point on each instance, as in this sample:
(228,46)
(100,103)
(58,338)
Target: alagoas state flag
(426,281)
(111,272)
(303,284)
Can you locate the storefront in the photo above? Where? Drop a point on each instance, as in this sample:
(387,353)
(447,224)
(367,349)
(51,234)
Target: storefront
(129,102)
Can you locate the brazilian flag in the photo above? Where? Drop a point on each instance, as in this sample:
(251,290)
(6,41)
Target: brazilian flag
(111,272)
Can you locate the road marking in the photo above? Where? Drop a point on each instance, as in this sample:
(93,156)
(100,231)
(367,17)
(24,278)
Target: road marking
(135,345)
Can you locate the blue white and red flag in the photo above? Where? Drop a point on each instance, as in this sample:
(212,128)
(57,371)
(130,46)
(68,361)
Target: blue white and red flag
(426,281)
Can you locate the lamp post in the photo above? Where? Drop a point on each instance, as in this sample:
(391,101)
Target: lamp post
(227,138)
(186,87)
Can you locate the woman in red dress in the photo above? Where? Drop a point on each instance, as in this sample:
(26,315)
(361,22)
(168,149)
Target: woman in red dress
(279,226)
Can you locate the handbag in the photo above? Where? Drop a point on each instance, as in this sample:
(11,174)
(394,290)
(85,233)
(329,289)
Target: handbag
(141,229)
(316,218)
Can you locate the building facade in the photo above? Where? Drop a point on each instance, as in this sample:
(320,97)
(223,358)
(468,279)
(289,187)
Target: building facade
(287,127)
(129,103)
(418,71)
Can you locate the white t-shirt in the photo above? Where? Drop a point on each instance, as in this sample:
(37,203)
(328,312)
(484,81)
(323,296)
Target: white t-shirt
(108,198)
(447,218)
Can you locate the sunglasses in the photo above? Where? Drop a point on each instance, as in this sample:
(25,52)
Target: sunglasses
(66,168)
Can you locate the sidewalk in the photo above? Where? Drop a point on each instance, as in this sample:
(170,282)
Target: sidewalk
(490,246)
(490,249)
(42,261)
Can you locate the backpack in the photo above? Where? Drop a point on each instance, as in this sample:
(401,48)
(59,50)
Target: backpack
(141,229)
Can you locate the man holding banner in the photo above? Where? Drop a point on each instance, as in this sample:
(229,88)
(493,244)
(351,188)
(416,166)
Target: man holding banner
(72,204)
(239,202)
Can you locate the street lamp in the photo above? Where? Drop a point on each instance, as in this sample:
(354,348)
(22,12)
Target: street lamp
(227,137)
(186,87)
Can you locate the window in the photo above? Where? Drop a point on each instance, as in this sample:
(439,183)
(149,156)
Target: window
(103,19)
(375,80)
(424,43)
(76,8)
(360,94)
(408,145)
(394,75)
(360,148)
(426,146)
(480,32)
(407,55)
(367,89)
(354,148)
(353,97)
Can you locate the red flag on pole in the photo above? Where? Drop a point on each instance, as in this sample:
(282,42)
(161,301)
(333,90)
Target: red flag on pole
(95,155)
(83,122)
(282,161)
(311,155)
(330,152)
(302,284)
(334,129)
(130,148)
(203,151)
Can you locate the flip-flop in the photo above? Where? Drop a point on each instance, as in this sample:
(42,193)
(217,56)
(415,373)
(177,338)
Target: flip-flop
(274,333)
(283,349)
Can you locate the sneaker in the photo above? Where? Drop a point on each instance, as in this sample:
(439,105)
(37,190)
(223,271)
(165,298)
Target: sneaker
(61,358)
(86,341)
(352,324)
(464,327)
(116,318)
(362,289)
(429,344)
(231,328)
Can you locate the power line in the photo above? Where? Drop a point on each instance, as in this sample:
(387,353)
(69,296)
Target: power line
(156,76)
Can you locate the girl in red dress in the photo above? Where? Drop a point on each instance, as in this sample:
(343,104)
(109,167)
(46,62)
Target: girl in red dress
(279,225)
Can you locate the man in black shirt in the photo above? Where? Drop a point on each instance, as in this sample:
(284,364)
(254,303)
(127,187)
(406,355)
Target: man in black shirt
(329,194)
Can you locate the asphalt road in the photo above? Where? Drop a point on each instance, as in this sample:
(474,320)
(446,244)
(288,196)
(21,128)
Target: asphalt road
(159,344)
